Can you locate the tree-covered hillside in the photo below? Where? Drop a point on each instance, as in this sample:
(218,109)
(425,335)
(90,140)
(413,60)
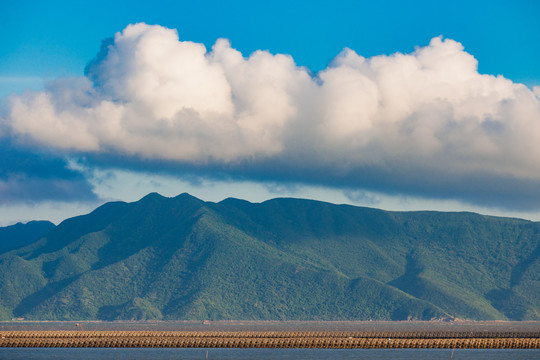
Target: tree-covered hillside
(182,258)
(14,236)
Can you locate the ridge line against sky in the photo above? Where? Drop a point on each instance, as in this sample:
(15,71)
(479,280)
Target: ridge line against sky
(419,127)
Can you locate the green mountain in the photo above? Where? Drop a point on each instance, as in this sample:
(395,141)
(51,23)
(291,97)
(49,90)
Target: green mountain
(18,235)
(284,259)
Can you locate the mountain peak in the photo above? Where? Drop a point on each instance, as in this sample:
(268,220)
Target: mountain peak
(185,195)
(234,201)
(153,196)
(157,197)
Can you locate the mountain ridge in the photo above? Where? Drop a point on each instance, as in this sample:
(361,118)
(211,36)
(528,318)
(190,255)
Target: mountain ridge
(17,235)
(283,259)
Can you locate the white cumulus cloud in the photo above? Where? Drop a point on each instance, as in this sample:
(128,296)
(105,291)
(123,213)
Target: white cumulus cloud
(428,114)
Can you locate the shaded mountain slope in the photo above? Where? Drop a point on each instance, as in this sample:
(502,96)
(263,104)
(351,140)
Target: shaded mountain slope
(14,236)
(182,258)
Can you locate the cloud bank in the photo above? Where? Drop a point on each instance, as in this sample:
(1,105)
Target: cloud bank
(422,124)
(32,177)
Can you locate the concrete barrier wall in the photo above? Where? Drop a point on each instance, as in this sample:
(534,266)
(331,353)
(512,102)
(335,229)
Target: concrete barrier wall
(272,339)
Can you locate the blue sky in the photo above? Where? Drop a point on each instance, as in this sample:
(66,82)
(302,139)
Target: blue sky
(46,41)
(57,38)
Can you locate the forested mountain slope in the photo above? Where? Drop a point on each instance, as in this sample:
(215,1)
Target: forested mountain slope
(20,234)
(284,259)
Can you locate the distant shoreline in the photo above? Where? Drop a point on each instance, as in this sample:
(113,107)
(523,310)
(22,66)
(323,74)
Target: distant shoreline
(272,325)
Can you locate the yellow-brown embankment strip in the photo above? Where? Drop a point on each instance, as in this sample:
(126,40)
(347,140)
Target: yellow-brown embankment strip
(272,339)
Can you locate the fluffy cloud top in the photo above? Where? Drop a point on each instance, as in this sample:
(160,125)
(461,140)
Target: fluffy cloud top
(425,123)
